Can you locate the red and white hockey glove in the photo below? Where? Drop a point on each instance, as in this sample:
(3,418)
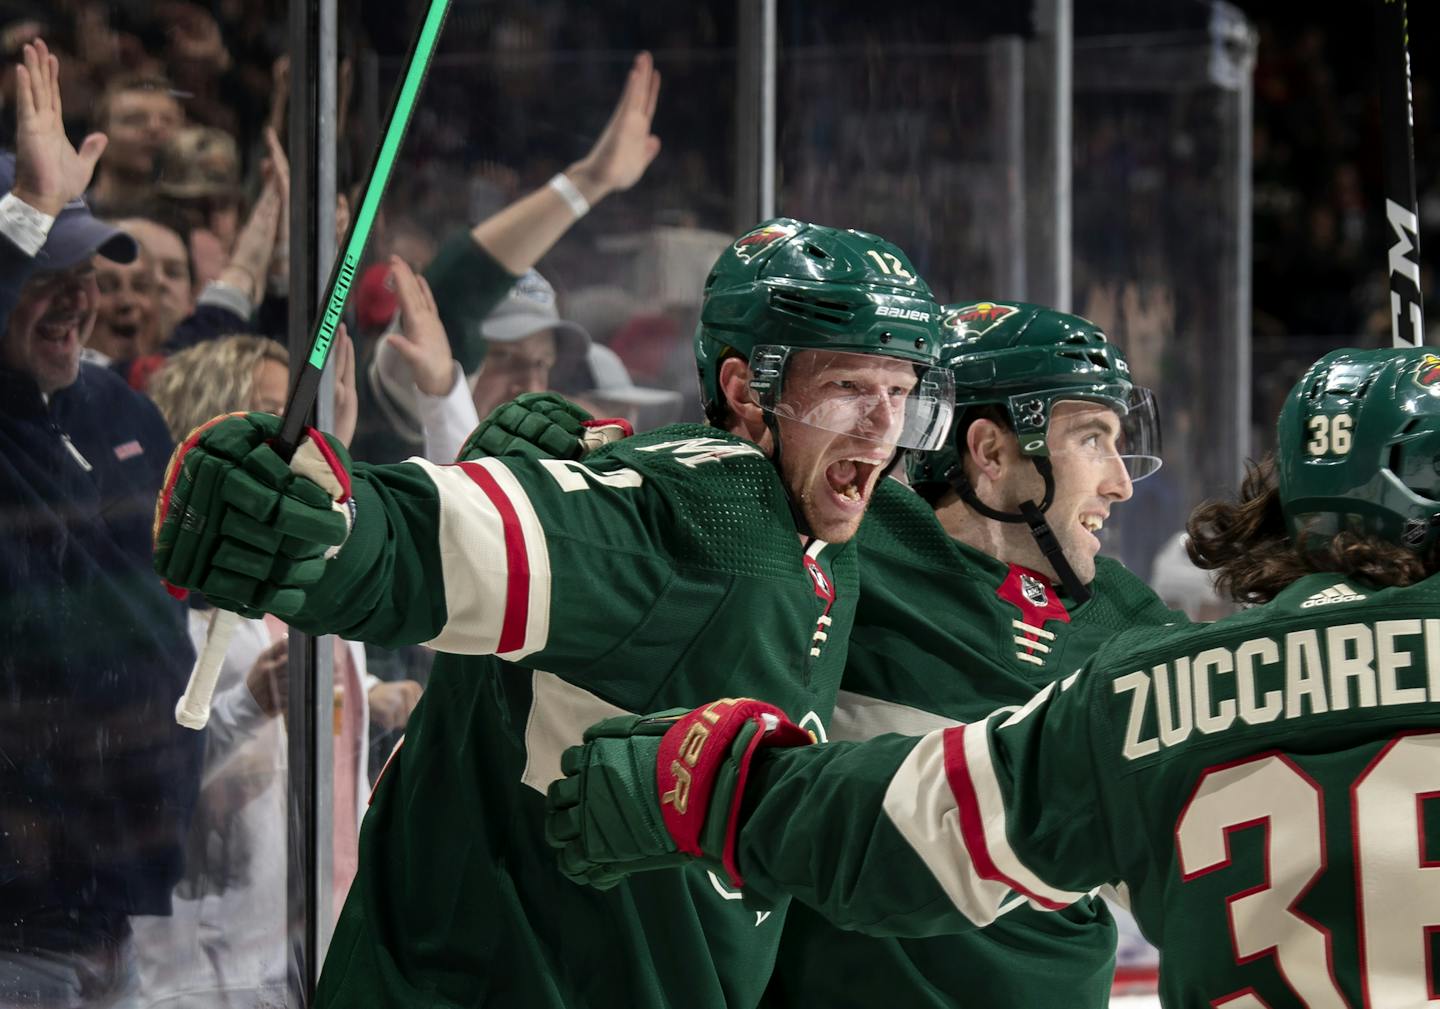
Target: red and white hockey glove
(655,791)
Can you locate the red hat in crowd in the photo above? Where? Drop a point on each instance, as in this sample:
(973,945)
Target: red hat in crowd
(375,300)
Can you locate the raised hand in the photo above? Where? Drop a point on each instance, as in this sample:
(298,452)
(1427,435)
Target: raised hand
(347,405)
(422,340)
(276,165)
(626,146)
(49,171)
(279,91)
(276,171)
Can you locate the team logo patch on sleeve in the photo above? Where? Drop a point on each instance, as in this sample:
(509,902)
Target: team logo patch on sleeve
(977,319)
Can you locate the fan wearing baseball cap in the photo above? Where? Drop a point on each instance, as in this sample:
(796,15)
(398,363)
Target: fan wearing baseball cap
(47,289)
(97,783)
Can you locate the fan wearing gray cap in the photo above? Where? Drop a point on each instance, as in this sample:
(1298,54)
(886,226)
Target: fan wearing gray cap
(605,388)
(524,341)
(97,783)
(48,291)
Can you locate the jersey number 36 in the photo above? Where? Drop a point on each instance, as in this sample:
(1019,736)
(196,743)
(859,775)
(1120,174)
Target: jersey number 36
(1397,879)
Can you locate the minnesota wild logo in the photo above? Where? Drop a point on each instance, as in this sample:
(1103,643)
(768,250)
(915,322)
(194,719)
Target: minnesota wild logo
(977,319)
(747,247)
(1428,374)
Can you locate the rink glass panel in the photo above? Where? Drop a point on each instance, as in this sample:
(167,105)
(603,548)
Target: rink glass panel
(1161,200)
(153,854)
(517,93)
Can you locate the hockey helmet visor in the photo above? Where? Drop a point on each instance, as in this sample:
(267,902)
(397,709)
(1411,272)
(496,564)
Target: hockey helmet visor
(1116,421)
(875,397)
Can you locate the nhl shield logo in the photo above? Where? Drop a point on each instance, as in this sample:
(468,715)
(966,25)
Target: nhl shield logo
(1033,590)
(969,321)
(747,247)
(1414,532)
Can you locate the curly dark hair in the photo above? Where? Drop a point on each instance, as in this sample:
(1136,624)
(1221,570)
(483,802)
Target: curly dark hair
(1248,545)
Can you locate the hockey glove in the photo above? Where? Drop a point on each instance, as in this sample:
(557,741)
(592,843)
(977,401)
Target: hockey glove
(540,425)
(240,525)
(651,792)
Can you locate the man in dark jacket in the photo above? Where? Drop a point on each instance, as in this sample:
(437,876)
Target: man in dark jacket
(96,780)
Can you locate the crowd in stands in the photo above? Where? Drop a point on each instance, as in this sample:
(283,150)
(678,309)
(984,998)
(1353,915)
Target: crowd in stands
(145,290)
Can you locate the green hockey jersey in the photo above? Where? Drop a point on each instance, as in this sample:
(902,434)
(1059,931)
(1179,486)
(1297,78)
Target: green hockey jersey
(664,570)
(944,634)
(1266,788)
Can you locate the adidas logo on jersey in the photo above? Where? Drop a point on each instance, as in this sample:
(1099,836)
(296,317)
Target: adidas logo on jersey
(1337,593)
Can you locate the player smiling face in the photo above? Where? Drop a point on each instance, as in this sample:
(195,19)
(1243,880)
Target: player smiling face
(1086,446)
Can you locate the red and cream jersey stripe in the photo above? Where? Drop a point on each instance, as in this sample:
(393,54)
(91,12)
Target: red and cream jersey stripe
(947,803)
(494,562)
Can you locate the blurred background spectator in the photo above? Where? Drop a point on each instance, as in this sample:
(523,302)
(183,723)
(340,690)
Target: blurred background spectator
(140,115)
(97,782)
(226,938)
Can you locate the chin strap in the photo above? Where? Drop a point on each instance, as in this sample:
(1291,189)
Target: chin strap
(1033,515)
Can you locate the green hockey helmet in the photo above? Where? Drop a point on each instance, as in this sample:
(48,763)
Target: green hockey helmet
(1024,359)
(1359,447)
(786,287)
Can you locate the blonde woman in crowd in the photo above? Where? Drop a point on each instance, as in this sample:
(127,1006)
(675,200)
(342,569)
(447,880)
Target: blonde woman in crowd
(225,944)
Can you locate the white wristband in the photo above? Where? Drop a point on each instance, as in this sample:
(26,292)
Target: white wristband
(561,183)
(25,226)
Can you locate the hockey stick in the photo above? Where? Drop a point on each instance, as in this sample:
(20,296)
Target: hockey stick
(193,708)
(1392,37)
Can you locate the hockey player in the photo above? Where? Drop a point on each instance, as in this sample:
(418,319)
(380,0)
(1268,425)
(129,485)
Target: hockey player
(959,614)
(1265,787)
(976,592)
(663,569)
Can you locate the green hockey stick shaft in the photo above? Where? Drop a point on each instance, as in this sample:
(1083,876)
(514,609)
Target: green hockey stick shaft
(193,708)
(342,274)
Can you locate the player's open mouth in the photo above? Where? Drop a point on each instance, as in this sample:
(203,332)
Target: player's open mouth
(851,479)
